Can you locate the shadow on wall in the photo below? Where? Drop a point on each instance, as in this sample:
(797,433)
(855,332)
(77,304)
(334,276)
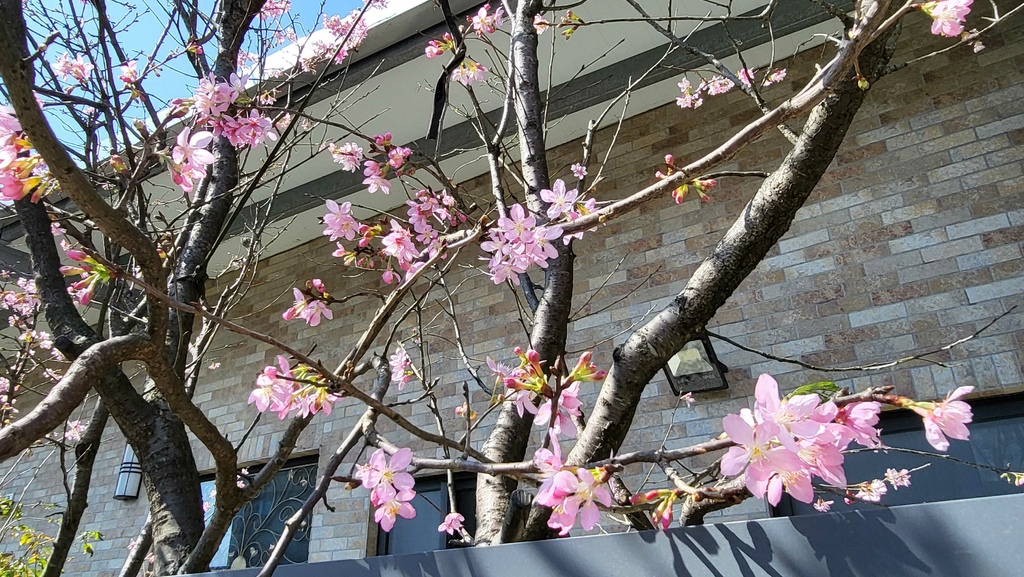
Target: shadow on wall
(974,537)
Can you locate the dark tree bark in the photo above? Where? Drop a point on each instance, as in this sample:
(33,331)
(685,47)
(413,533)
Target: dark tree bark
(509,439)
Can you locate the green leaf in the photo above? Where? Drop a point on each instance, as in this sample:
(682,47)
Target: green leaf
(824,389)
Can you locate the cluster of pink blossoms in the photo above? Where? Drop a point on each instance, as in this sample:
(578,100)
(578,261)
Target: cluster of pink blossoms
(482,22)
(516,243)
(21,170)
(782,444)
(528,385)
(283,389)
(213,103)
(189,159)
(401,368)
(346,35)
(948,16)
(377,171)
(401,249)
(77,68)
(693,97)
(310,304)
(570,491)
(273,9)
(218,107)
(391,487)
(23,303)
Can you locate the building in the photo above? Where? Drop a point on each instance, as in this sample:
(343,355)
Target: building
(911,241)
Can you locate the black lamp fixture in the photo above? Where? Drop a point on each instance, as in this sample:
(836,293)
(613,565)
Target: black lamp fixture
(696,368)
(129,477)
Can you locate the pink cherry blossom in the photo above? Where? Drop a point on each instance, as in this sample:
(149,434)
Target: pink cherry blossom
(484,23)
(776,76)
(578,170)
(129,73)
(274,9)
(948,16)
(452,524)
(690,97)
(397,506)
(559,199)
(897,479)
(540,24)
(946,418)
(375,179)
(398,243)
(822,506)
(78,68)
(719,85)
(401,368)
(339,221)
(469,72)
(245,129)
(348,155)
(191,148)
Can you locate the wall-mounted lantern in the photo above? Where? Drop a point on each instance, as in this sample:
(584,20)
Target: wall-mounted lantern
(696,368)
(129,477)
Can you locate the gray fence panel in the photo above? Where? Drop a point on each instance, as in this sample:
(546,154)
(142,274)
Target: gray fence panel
(970,538)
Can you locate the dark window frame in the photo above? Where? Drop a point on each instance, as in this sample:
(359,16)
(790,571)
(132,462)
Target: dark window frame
(304,461)
(464,483)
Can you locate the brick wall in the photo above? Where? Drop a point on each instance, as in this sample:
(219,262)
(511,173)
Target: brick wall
(912,240)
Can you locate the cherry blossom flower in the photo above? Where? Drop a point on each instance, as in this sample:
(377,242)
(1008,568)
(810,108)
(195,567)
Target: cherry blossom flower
(348,155)
(569,496)
(469,72)
(776,76)
(746,76)
(339,221)
(375,179)
(946,418)
(560,200)
(274,9)
(897,479)
(568,405)
(434,49)
(872,491)
(948,16)
(129,73)
(397,506)
(73,431)
(822,506)
(452,524)
(484,23)
(540,24)
(401,367)
(398,243)
(719,85)
(690,97)
(245,130)
(213,98)
(78,68)
(688,399)
(578,170)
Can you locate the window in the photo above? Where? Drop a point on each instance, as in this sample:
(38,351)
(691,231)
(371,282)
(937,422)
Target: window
(997,439)
(255,529)
(420,533)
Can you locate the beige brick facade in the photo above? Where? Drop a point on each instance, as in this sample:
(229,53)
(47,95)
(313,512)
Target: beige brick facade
(911,240)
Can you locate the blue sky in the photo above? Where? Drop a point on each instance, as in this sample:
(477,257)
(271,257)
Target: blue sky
(177,78)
